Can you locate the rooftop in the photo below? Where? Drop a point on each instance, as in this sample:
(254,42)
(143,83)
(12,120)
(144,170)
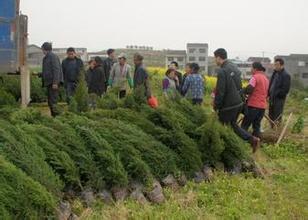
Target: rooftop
(259,59)
(197,45)
(176,52)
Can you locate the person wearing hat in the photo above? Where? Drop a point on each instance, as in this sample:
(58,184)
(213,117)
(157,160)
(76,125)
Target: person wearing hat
(257,99)
(52,76)
(120,76)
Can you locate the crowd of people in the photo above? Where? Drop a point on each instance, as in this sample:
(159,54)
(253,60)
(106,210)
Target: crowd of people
(230,99)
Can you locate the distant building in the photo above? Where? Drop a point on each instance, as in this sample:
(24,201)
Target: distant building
(198,53)
(244,67)
(34,56)
(102,55)
(265,61)
(297,66)
(135,47)
(176,55)
(259,59)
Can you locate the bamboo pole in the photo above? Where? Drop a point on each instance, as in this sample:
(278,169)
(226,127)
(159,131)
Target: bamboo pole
(284,129)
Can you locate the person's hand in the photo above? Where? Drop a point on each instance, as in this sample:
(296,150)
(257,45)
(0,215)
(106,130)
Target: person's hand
(55,86)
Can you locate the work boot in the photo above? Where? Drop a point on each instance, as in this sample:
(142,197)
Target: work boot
(255,144)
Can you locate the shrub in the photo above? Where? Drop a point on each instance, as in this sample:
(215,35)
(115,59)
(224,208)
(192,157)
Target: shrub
(21,197)
(6,99)
(22,150)
(81,95)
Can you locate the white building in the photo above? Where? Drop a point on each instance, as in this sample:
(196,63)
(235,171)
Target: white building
(178,56)
(198,53)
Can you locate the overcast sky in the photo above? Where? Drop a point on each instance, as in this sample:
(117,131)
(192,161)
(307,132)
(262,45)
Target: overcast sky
(243,27)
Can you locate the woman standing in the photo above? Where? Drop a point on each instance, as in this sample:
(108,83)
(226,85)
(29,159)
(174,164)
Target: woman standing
(257,99)
(193,87)
(170,83)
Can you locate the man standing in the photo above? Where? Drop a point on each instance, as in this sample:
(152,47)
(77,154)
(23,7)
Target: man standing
(278,90)
(120,76)
(71,67)
(141,77)
(52,76)
(228,102)
(108,64)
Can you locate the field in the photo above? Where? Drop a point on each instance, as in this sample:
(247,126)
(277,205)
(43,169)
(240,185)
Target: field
(44,161)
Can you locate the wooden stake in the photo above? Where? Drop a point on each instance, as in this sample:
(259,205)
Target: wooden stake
(284,129)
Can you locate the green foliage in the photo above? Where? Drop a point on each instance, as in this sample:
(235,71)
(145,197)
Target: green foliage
(28,115)
(81,94)
(21,197)
(73,106)
(220,143)
(109,101)
(299,125)
(124,141)
(6,99)
(22,150)
(107,161)
(38,93)
(11,84)
(59,160)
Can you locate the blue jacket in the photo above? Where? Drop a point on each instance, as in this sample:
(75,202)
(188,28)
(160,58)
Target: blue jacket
(193,87)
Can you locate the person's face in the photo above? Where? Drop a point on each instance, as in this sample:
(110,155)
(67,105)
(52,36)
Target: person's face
(112,55)
(92,65)
(71,55)
(137,61)
(122,61)
(188,70)
(172,75)
(173,66)
(253,70)
(218,61)
(44,52)
(278,67)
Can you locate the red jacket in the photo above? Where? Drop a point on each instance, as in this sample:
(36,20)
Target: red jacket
(260,83)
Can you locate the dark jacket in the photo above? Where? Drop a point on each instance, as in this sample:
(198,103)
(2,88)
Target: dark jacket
(52,71)
(96,80)
(229,85)
(71,69)
(281,85)
(141,78)
(107,65)
(180,77)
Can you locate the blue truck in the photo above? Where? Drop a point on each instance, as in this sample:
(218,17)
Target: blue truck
(13,37)
(13,45)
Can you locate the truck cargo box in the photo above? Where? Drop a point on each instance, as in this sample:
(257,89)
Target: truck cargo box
(10,22)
